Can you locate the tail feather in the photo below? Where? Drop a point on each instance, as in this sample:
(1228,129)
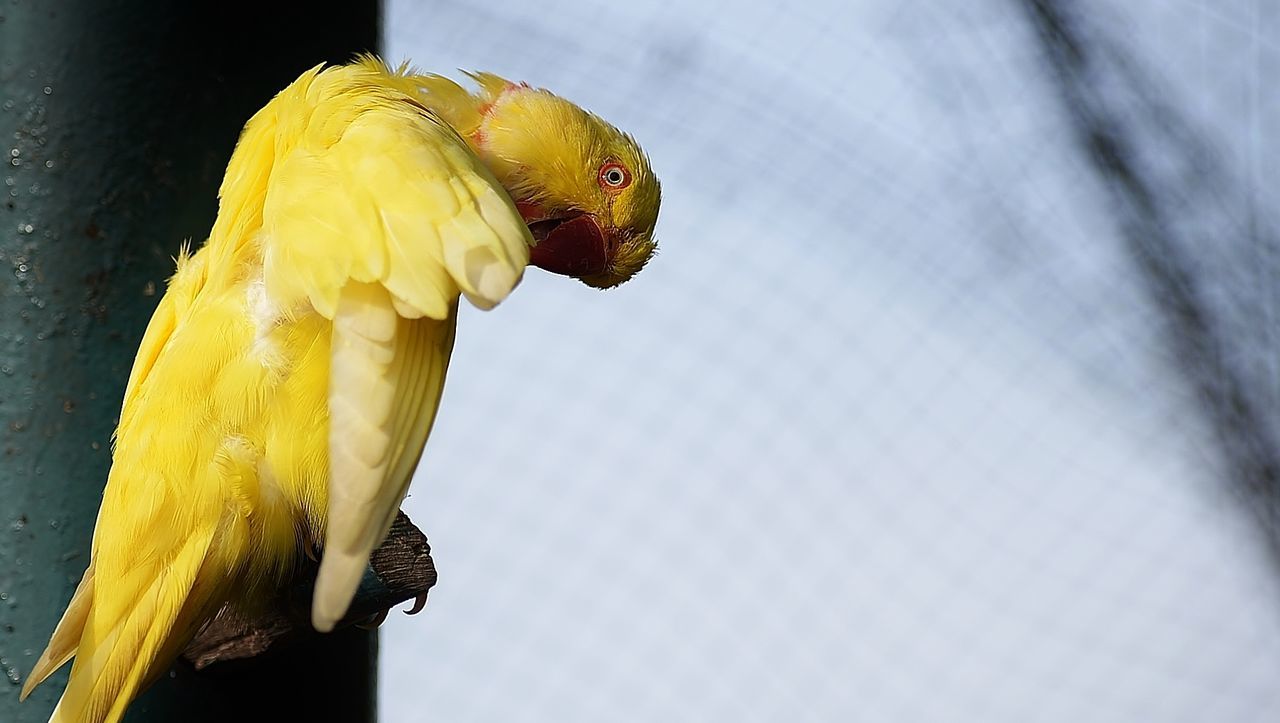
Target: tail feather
(66,637)
(116,656)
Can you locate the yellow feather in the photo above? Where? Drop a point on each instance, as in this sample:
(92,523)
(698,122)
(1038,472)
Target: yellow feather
(66,637)
(290,375)
(385,378)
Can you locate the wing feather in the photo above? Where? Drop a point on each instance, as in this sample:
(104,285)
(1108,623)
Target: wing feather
(185,284)
(380,228)
(399,200)
(385,379)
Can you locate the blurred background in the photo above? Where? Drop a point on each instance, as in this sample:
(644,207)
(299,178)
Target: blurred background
(951,396)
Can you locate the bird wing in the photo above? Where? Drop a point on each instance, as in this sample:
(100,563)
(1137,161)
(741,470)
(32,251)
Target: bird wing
(380,232)
(399,200)
(185,285)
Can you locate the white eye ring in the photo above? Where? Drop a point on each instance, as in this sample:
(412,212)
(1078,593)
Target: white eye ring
(614,176)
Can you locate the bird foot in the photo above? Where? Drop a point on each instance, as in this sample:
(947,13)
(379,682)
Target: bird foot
(419,603)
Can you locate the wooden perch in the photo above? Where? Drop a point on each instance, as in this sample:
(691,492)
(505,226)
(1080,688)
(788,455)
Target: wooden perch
(400,569)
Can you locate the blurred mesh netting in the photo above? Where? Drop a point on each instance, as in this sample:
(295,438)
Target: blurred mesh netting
(951,396)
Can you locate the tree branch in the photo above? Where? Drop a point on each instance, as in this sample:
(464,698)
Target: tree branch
(400,569)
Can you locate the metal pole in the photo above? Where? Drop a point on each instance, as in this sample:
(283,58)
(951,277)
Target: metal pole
(116,121)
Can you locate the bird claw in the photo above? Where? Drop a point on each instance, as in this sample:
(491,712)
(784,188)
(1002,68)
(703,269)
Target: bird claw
(373,622)
(309,549)
(418,604)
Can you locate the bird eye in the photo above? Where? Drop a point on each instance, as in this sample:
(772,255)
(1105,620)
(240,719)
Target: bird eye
(614,176)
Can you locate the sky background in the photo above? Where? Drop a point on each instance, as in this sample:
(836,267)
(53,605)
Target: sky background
(885,433)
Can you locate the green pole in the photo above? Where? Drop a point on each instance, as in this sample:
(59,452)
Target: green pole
(116,122)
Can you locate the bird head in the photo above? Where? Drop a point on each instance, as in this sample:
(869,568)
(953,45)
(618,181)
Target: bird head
(585,189)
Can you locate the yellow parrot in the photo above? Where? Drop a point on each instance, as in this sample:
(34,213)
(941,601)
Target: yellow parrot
(288,380)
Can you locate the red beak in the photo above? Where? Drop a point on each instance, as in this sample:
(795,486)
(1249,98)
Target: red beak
(573,245)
